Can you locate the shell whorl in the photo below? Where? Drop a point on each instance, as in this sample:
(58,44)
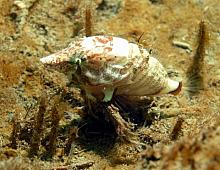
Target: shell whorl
(111,63)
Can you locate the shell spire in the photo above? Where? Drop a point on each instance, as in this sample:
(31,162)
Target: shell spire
(113,65)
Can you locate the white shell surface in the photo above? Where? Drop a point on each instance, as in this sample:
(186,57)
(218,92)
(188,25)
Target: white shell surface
(113,46)
(112,63)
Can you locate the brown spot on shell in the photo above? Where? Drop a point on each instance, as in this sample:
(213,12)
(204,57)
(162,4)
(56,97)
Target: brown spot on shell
(110,38)
(93,57)
(107,49)
(104,40)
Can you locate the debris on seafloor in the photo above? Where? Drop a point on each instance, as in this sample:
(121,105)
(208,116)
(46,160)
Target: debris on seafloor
(177,128)
(20,12)
(191,154)
(183,45)
(88,21)
(196,73)
(38,128)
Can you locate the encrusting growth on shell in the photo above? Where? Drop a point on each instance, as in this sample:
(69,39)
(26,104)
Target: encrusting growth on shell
(112,65)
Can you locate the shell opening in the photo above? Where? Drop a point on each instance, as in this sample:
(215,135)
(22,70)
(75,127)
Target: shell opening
(178,90)
(172,87)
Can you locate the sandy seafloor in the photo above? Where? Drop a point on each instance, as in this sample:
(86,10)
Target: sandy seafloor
(184,130)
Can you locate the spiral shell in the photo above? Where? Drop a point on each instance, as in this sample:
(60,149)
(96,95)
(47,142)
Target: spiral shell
(113,65)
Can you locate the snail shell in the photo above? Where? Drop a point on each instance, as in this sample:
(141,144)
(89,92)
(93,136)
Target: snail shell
(113,65)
